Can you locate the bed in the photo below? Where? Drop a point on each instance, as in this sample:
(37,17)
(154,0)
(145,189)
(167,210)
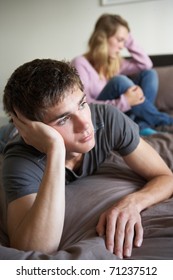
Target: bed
(87,198)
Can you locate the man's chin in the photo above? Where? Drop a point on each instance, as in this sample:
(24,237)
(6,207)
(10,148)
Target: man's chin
(88,147)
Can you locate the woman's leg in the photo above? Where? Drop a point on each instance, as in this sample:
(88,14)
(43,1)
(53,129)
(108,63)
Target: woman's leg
(149,82)
(115,87)
(147,111)
(146,114)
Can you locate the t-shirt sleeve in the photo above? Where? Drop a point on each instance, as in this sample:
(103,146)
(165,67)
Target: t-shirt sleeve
(21,177)
(126,134)
(118,132)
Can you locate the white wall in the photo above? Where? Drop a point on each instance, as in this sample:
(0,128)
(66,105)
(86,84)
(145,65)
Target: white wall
(60,29)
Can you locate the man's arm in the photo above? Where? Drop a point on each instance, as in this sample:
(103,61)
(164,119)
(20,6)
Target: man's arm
(35,222)
(122,222)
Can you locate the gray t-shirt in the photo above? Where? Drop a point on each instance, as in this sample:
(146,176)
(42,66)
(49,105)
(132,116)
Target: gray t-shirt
(24,166)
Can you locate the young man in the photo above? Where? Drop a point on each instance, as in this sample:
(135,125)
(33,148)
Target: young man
(63,139)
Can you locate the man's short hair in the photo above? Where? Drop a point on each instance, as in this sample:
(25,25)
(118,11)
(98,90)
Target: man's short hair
(39,84)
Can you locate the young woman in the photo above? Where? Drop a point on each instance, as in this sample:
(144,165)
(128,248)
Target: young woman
(129,84)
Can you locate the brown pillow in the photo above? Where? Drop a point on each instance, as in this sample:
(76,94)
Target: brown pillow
(164,101)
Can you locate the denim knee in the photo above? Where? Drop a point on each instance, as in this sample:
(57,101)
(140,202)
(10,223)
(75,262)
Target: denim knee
(149,82)
(121,83)
(150,76)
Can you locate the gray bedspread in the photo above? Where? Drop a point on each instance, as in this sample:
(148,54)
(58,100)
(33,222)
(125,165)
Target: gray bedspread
(85,201)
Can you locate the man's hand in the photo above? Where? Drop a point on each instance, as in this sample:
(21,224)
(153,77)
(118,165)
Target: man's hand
(121,225)
(37,134)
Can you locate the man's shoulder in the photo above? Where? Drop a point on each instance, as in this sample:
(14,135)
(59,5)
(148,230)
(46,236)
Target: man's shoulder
(112,118)
(106,115)
(17,148)
(104,109)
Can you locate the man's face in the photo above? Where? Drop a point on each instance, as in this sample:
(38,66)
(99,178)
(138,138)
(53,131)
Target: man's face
(72,119)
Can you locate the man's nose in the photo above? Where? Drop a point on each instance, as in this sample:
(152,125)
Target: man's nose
(81,124)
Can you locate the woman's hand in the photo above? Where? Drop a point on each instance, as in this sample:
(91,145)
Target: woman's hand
(37,134)
(134,95)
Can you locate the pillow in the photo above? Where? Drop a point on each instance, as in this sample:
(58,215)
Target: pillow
(165,92)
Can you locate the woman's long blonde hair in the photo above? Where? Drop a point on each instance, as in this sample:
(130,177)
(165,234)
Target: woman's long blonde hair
(105,27)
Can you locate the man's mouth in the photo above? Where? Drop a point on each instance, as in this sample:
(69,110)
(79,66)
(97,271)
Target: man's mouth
(87,137)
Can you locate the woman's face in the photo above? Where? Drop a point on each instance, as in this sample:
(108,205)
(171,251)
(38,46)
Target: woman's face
(117,41)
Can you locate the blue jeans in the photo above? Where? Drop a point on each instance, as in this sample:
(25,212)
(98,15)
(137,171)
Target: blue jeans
(145,114)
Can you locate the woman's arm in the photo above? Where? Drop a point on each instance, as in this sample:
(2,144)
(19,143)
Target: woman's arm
(93,84)
(139,59)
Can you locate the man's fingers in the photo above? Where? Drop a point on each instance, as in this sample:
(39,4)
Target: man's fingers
(131,231)
(122,230)
(110,231)
(100,228)
(20,116)
(129,238)
(138,235)
(120,235)
(17,122)
(106,226)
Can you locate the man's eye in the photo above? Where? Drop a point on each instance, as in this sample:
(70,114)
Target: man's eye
(82,105)
(63,121)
